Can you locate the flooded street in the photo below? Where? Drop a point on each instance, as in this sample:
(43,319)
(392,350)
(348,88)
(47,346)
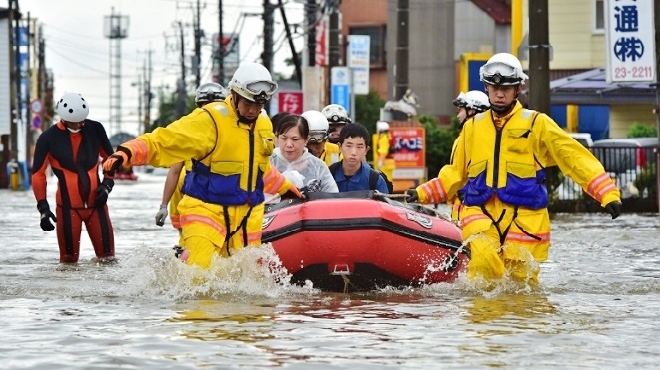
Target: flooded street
(598,306)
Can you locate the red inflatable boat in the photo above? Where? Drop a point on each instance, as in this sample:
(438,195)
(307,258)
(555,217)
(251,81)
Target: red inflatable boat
(361,241)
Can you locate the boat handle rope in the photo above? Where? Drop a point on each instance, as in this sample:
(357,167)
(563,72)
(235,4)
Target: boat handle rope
(452,260)
(439,214)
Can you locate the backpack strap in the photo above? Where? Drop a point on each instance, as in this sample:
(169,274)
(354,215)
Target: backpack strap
(373,179)
(334,168)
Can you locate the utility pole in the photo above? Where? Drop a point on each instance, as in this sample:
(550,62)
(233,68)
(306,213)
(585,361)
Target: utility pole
(196,64)
(401,67)
(148,95)
(41,74)
(14,90)
(140,86)
(267,55)
(294,53)
(539,56)
(656,21)
(221,47)
(181,83)
(310,7)
(26,75)
(334,46)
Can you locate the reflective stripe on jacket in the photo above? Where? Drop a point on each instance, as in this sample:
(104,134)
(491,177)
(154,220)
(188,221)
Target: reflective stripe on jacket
(546,144)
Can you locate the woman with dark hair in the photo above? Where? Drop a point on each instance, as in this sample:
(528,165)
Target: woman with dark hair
(294,161)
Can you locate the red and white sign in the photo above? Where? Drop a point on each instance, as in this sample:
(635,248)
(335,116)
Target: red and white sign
(409,152)
(290,102)
(321,56)
(36,107)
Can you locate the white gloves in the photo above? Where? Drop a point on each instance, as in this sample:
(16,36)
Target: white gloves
(161,215)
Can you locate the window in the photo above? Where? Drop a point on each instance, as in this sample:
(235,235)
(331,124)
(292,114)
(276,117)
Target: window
(599,16)
(376,43)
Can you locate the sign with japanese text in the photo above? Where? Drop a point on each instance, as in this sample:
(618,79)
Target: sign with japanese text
(358,60)
(409,151)
(340,79)
(290,102)
(630,43)
(321,52)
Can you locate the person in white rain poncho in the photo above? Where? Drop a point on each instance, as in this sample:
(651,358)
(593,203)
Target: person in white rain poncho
(294,161)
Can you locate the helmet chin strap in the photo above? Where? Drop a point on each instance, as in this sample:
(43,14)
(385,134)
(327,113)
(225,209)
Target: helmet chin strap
(241,118)
(503,111)
(73,131)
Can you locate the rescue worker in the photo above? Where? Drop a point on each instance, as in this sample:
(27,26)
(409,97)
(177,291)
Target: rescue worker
(72,148)
(384,152)
(205,94)
(467,106)
(222,207)
(318,143)
(500,159)
(337,118)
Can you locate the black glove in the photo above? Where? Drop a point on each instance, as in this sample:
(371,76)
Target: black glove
(114,162)
(614,208)
(102,192)
(46,216)
(411,195)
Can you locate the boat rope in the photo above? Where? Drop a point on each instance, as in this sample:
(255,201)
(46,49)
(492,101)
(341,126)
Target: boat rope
(452,260)
(347,282)
(439,214)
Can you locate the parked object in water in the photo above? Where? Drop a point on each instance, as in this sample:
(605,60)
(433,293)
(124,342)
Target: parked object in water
(363,240)
(626,160)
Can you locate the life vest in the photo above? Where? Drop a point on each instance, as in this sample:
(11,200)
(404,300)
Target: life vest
(501,162)
(385,144)
(331,153)
(232,173)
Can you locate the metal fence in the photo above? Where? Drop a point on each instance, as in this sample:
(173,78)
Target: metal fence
(633,169)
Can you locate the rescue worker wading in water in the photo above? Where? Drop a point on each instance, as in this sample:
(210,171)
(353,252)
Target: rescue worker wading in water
(72,147)
(500,160)
(467,106)
(230,145)
(206,93)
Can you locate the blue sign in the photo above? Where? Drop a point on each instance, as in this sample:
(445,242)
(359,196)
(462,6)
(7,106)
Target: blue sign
(339,95)
(340,79)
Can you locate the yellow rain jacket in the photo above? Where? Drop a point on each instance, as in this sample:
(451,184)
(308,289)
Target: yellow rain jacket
(231,171)
(331,153)
(501,162)
(384,154)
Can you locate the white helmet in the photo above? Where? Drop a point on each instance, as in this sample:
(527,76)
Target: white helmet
(318,125)
(382,126)
(72,107)
(253,82)
(336,114)
(473,99)
(502,69)
(209,92)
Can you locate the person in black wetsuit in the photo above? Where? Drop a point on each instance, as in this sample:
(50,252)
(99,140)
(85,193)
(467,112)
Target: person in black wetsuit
(72,148)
